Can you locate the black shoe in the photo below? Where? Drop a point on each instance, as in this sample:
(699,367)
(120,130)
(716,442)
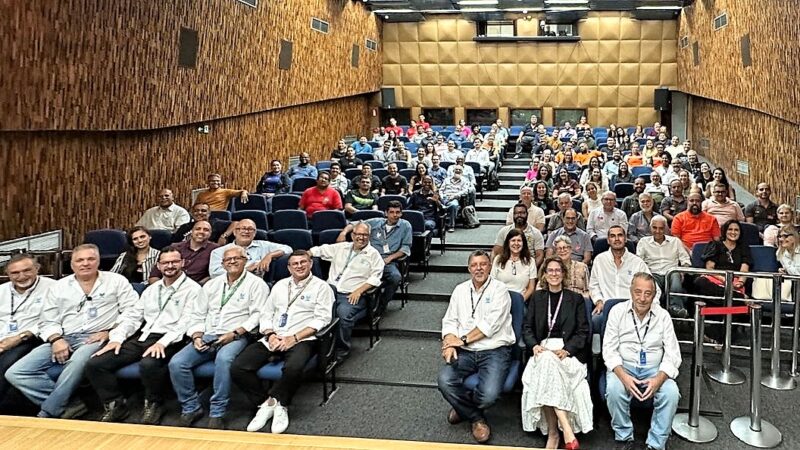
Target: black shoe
(75,409)
(341,357)
(624,445)
(151,415)
(678,312)
(216,423)
(115,411)
(187,419)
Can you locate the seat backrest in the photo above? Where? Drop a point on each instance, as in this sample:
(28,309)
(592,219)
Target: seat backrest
(589,306)
(323,165)
(697,253)
(623,190)
(374,144)
(380,173)
(109,241)
(476,167)
(285,201)
(445,164)
(407,173)
(412,147)
(289,218)
(160,239)
(279,269)
(365,215)
(300,184)
(352,173)
(383,201)
(328,219)
(641,170)
(401,165)
(255,202)
(600,245)
(364,157)
(328,236)
(764,258)
(220,215)
(467,145)
(374,164)
(606,310)
(416,219)
(259,217)
(297,239)
(750,235)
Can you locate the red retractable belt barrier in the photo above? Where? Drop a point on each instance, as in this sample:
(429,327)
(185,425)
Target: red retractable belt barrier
(723,310)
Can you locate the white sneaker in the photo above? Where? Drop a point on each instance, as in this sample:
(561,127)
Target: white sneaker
(281,420)
(262,416)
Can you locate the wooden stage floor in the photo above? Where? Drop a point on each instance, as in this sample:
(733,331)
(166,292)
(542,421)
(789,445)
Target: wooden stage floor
(33,433)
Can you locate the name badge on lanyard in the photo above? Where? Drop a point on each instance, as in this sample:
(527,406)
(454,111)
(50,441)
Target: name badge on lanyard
(13,327)
(642,357)
(92,312)
(283,320)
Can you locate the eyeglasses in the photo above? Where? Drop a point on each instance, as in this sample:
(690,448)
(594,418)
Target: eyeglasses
(248,229)
(233,259)
(784,235)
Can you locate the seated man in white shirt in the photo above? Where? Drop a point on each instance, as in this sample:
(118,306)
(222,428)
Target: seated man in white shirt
(451,153)
(21,302)
(166,216)
(356,267)
(296,309)
(77,314)
(219,324)
(535,214)
(601,219)
(663,253)
(612,273)
(469,176)
(163,309)
(476,338)
(642,354)
(259,253)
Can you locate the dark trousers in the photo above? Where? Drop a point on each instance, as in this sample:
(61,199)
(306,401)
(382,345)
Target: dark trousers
(252,358)
(101,370)
(7,359)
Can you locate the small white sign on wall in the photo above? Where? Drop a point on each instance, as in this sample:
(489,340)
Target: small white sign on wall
(743,167)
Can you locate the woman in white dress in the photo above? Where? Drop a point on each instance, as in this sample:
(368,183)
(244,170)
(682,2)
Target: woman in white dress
(515,267)
(555,393)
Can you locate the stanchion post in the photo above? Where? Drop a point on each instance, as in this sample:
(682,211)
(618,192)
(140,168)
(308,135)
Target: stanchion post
(796,325)
(724,373)
(751,429)
(774,380)
(692,426)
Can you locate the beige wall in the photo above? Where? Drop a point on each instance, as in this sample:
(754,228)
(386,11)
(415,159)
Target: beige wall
(611,72)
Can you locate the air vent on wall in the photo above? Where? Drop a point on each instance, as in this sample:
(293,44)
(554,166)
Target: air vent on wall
(372,45)
(319,25)
(721,20)
(746,60)
(696,53)
(188,43)
(285,56)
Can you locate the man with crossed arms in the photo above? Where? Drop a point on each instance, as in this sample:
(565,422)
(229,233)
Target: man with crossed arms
(164,310)
(296,309)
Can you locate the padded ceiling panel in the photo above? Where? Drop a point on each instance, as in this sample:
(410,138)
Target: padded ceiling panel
(611,72)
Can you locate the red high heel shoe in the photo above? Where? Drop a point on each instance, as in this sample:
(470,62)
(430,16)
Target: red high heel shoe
(574,445)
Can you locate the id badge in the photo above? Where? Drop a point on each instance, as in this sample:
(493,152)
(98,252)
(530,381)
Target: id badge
(386,249)
(12,326)
(282,321)
(642,358)
(92,312)
(214,321)
(469,325)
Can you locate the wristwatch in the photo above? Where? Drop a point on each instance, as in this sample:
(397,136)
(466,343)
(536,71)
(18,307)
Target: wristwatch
(464,339)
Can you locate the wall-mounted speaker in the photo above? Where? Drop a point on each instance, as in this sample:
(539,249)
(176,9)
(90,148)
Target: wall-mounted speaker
(662,100)
(285,56)
(746,60)
(387,98)
(696,53)
(188,44)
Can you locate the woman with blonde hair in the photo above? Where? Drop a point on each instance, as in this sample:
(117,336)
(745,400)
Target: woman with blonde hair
(577,279)
(785,218)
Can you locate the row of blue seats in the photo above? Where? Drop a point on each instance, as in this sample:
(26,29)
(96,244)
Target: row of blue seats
(517,129)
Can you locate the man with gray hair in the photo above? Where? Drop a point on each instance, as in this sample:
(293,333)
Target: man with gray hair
(601,219)
(259,253)
(663,253)
(557,220)
(535,214)
(20,305)
(356,267)
(77,314)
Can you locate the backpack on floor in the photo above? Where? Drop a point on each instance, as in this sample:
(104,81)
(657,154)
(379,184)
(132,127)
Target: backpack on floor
(470,217)
(493,183)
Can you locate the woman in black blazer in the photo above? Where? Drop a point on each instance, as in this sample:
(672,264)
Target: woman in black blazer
(555,393)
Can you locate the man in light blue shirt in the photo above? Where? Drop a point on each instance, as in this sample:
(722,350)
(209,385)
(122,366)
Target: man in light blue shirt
(304,169)
(259,253)
(362,146)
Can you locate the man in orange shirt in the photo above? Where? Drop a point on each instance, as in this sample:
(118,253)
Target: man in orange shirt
(321,196)
(693,225)
(583,155)
(217,197)
(635,159)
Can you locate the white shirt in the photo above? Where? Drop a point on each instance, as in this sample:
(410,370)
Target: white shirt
(599,221)
(467,173)
(621,345)
(340,183)
(518,281)
(535,216)
(662,257)
(159,218)
(26,306)
(312,306)
(171,321)
(68,310)
(608,282)
(532,235)
(492,314)
(349,269)
(791,261)
(242,309)
(480,157)
(447,155)
(256,251)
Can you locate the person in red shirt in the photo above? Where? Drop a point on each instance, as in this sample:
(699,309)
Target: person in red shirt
(393,127)
(412,129)
(693,225)
(421,122)
(320,197)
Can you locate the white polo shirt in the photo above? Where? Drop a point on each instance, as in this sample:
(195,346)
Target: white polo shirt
(244,297)
(350,269)
(311,306)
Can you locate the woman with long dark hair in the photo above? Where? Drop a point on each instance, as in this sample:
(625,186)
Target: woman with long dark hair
(415,183)
(274,181)
(514,266)
(139,258)
(624,175)
(555,393)
(719,177)
(541,197)
(729,253)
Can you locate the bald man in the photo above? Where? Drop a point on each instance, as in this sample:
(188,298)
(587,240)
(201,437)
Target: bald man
(166,215)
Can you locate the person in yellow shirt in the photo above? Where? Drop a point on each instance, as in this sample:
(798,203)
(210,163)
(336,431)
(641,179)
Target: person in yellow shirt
(218,197)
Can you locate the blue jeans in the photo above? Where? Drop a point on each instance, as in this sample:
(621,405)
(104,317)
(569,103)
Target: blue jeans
(347,314)
(391,281)
(492,369)
(665,403)
(452,213)
(180,372)
(29,374)
(430,224)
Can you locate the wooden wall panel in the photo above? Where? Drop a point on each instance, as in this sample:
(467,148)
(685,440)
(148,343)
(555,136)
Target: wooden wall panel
(77,181)
(611,72)
(766,142)
(770,84)
(113,65)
